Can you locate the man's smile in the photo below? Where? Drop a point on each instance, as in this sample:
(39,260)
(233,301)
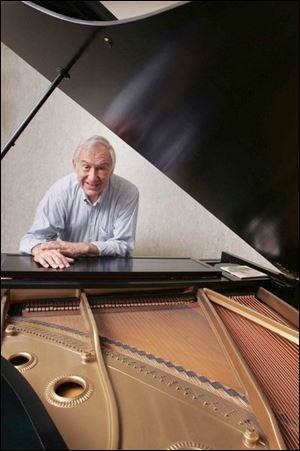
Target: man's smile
(93,185)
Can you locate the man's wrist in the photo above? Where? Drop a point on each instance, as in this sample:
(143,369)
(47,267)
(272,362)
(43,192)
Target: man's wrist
(92,250)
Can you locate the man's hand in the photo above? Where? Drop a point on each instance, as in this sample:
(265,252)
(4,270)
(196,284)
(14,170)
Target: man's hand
(51,258)
(69,249)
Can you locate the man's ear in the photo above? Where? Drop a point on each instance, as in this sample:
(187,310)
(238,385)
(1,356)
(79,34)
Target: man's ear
(74,164)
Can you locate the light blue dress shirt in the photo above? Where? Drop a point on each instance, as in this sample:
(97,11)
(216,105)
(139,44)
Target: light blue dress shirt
(65,213)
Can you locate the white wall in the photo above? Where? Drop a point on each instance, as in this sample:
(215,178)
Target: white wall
(170,222)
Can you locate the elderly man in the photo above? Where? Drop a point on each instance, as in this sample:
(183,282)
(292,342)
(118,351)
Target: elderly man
(90,212)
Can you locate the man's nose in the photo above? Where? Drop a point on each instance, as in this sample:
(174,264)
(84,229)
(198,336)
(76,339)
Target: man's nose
(92,174)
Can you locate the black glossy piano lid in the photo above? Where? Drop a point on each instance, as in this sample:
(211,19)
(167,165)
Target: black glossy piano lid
(206,91)
(107,268)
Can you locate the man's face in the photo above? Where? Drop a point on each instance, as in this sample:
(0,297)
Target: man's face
(93,169)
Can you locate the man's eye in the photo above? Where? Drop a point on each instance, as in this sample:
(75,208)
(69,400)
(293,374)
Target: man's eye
(85,167)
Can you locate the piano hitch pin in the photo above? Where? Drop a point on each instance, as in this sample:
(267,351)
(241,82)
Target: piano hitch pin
(11,330)
(87,356)
(251,437)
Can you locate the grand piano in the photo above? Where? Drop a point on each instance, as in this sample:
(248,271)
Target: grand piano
(166,353)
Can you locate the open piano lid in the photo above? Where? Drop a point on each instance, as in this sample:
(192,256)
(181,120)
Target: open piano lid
(206,91)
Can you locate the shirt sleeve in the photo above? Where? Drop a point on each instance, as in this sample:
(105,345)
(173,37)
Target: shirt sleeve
(122,242)
(48,222)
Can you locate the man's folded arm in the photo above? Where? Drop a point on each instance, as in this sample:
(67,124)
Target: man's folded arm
(47,221)
(122,243)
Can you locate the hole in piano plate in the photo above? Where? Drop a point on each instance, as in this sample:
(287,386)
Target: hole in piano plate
(19,360)
(23,361)
(69,389)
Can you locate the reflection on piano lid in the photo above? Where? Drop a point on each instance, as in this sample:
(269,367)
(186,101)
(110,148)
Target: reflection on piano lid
(107,268)
(206,91)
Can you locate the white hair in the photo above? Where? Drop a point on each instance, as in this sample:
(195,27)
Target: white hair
(89,143)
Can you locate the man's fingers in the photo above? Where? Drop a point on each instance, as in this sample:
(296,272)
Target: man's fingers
(60,259)
(67,253)
(66,260)
(69,259)
(53,258)
(49,247)
(65,250)
(39,259)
